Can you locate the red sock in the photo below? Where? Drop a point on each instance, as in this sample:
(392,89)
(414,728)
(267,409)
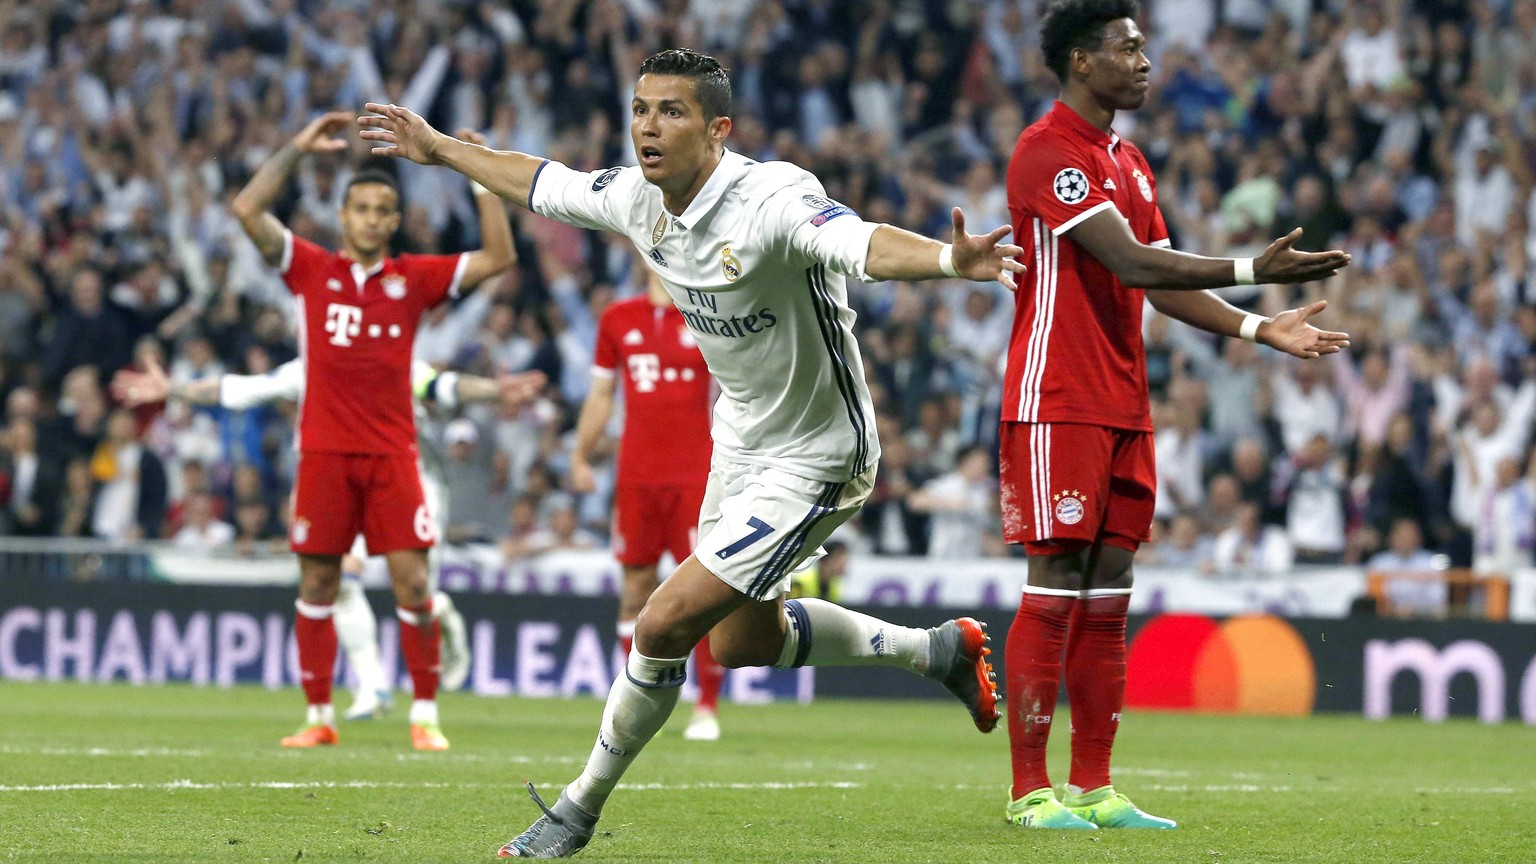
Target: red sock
(1033,674)
(626,631)
(419,643)
(1096,685)
(709,675)
(315,632)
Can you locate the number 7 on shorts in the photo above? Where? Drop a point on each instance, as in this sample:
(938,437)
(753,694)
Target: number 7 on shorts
(760,529)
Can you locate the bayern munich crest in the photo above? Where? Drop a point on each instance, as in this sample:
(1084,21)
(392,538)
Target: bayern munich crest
(1146,187)
(1070,185)
(394,286)
(1070,507)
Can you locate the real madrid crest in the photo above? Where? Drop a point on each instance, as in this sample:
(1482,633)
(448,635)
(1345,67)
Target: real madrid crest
(660,229)
(394,286)
(1146,187)
(729,265)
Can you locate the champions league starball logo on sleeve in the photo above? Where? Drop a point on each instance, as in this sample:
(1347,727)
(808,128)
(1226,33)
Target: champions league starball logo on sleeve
(1071,186)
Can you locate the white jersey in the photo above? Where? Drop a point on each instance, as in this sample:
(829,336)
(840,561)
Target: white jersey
(756,264)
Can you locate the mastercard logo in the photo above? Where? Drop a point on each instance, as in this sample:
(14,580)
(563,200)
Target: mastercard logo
(1251,664)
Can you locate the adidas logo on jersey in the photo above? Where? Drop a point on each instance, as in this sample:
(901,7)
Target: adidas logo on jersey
(1109,184)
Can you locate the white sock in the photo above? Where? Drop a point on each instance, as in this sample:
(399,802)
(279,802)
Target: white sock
(320,715)
(441,603)
(825,634)
(424,712)
(639,704)
(358,632)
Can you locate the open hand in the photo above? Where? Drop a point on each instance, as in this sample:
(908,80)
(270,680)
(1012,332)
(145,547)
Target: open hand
(582,478)
(520,389)
(1290,332)
(320,135)
(1282,263)
(141,388)
(984,257)
(400,132)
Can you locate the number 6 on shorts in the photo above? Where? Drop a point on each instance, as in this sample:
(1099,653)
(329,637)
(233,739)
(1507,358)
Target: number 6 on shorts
(760,529)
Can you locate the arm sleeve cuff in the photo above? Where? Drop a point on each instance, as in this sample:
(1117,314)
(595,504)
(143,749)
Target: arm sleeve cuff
(1076,220)
(458,275)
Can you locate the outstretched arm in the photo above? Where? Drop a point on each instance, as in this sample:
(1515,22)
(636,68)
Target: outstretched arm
(895,253)
(511,390)
(1288,331)
(253,206)
(1108,238)
(402,132)
(153,386)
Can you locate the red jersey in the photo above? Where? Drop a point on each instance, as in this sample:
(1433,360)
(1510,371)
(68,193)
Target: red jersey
(356,331)
(1076,355)
(666,393)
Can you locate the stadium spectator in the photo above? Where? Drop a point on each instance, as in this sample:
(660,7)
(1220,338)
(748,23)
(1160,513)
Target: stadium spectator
(960,506)
(1504,538)
(131,486)
(31,482)
(1424,170)
(475,491)
(1415,591)
(1250,546)
(1185,545)
(1314,495)
(202,530)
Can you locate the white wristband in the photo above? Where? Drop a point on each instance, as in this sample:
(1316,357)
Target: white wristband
(476,189)
(1249,330)
(947,261)
(1242,271)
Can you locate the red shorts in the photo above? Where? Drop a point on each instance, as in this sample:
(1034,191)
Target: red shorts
(337,496)
(648,520)
(1066,485)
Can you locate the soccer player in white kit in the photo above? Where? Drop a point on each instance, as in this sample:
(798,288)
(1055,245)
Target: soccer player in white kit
(755,256)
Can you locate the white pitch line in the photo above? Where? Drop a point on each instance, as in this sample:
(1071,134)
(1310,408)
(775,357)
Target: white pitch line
(100,751)
(181,785)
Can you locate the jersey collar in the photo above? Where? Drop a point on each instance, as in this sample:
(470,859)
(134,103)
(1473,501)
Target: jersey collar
(720,181)
(1063,114)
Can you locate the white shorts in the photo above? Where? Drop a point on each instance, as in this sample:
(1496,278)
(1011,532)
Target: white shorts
(760,525)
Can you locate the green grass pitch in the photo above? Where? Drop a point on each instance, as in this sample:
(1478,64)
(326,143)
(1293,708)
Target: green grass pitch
(116,773)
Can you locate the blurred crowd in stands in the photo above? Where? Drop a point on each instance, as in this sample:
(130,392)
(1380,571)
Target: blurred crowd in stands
(1404,131)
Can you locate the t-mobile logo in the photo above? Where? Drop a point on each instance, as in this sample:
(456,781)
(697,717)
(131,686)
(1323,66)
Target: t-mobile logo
(645,371)
(343,322)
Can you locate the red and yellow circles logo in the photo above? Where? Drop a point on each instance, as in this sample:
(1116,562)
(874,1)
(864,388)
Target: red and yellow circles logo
(1251,664)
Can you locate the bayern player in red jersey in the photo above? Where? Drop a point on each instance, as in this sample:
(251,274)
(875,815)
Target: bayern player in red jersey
(357,312)
(1076,458)
(664,454)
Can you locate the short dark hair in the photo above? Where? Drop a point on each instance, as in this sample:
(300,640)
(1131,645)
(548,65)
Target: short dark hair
(711,84)
(1070,24)
(372,175)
